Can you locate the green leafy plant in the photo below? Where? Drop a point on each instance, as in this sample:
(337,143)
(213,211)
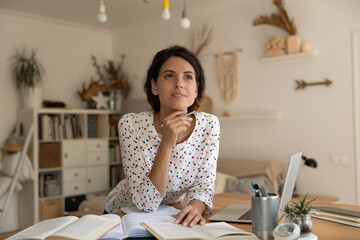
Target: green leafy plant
(26,70)
(298,209)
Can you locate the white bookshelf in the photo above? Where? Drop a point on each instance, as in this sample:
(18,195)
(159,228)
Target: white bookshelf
(84,160)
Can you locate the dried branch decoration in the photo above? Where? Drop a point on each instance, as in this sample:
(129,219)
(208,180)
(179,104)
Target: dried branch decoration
(114,76)
(110,76)
(200,39)
(280,20)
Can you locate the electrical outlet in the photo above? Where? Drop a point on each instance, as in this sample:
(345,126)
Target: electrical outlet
(341,160)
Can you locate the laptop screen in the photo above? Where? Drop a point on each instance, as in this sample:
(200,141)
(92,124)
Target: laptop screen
(289,182)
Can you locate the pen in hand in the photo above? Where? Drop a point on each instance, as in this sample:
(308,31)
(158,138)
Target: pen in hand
(188,114)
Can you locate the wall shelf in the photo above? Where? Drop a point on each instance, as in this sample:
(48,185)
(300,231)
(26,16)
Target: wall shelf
(253,116)
(290,56)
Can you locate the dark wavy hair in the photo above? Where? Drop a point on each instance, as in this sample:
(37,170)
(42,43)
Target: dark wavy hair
(153,73)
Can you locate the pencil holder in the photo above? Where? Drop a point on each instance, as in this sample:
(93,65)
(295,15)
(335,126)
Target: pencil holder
(264,215)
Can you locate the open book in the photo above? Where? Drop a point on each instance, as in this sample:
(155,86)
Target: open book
(87,227)
(163,210)
(219,230)
(131,225)
(338,215)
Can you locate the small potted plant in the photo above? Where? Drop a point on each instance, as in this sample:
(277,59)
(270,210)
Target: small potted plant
(27,72)
(299,213)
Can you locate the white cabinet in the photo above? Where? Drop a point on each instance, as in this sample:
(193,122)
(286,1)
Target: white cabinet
(74,174)
(98,178)
(73,153)
(97,151)
(78,140)
(74,188)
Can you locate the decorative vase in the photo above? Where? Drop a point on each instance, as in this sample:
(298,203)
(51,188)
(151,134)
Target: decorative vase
(306,47)
(118,100)
(293,44)
(32,97)
(303,221)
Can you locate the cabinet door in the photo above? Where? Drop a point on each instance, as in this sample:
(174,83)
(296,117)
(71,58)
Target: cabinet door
(74,174)
(98,158)
(73,153)
(97,145)
(98,178)
(74,188)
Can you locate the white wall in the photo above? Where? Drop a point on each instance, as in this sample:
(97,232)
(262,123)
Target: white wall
(317,120)
(64,50)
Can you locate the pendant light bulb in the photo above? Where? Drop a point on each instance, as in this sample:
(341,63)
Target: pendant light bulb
(185,22)
(166,13)
(102,17)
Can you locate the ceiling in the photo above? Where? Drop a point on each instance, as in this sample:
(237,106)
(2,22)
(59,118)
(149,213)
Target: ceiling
(120,12)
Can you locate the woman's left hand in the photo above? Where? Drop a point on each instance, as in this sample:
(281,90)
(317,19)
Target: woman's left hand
(190,216)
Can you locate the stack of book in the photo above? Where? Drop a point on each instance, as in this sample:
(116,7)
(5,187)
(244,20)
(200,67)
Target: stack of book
(338,215)
(72,127)
(49,128)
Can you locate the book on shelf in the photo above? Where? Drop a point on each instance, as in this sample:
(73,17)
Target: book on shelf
(99,126)
(131,227)
(68,133)
(113,121)
(111,153)
(92,126)
(69,227)
(339,215)
(49,127)
(116,175)
(71,125)
(173,231)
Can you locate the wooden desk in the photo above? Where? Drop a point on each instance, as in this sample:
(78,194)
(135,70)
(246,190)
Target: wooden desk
(323,229)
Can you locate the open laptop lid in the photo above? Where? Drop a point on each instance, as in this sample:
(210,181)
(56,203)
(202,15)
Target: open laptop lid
(233,212)
(290,180)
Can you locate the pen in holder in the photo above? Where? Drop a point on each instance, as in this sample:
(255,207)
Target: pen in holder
(264,215)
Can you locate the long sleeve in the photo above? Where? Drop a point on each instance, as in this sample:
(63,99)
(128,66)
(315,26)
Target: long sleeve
(203,187)
(143,193)
(192,165)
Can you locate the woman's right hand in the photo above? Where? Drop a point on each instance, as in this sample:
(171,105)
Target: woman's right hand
(174,125)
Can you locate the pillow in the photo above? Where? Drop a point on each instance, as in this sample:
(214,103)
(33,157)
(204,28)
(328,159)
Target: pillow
(220,181)
(243,185)
(10,162)
(5,182)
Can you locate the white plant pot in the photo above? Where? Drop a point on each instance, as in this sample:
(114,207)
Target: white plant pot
(32,97)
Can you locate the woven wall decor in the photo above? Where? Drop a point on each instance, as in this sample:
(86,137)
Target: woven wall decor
(228,75)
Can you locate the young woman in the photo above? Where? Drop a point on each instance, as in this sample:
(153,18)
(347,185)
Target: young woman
(166,155)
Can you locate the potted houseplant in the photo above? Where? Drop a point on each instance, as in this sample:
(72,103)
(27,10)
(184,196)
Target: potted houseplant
(299,213)
(27,72)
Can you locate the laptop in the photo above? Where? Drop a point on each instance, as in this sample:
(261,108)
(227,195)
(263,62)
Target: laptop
(241,213)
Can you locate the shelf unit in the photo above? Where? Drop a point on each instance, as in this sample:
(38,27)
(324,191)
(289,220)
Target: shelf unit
(70,153)
(290,56)
(253,116)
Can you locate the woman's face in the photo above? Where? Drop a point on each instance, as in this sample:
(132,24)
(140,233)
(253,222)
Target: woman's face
(176,85)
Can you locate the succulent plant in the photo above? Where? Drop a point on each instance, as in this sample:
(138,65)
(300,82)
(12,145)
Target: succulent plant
(300,208)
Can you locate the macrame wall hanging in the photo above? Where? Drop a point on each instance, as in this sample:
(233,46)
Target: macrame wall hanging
(228,74)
